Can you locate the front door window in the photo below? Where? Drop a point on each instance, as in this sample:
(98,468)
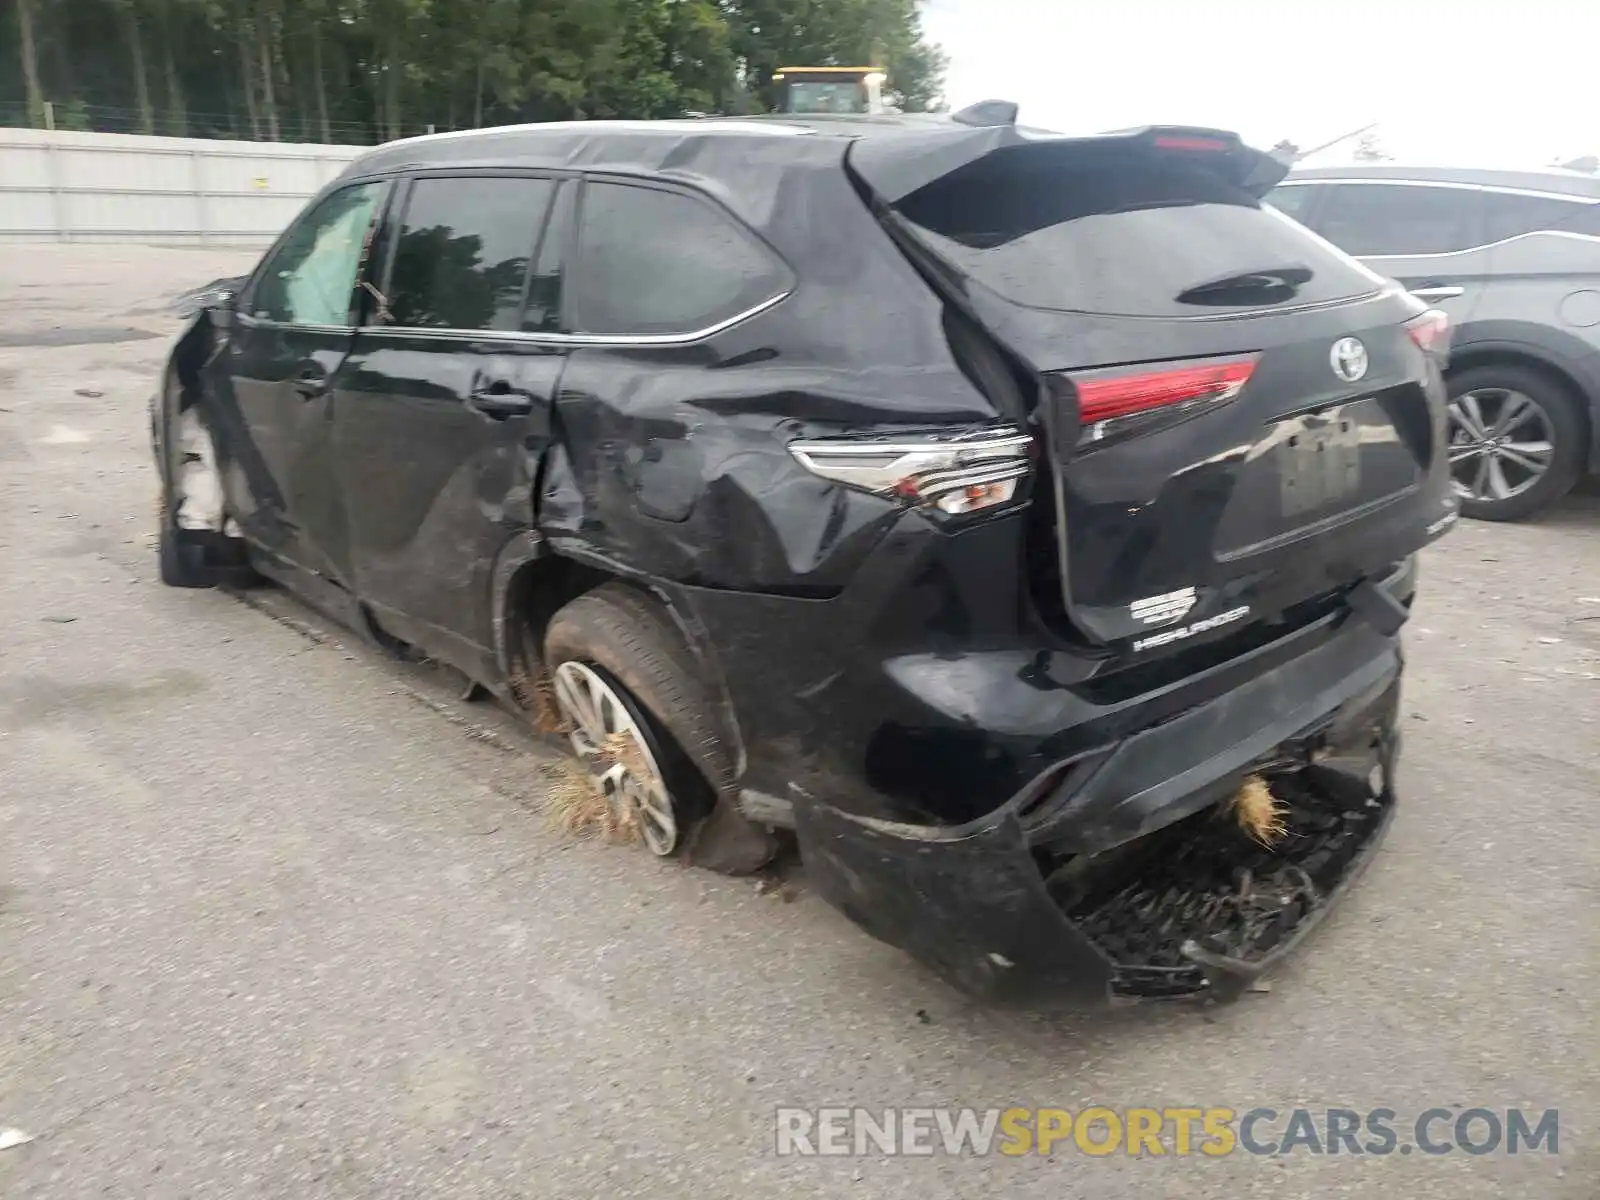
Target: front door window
(311,274)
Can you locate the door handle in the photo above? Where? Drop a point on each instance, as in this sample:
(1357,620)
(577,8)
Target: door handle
(1438,293)
(310,384)
(497,401)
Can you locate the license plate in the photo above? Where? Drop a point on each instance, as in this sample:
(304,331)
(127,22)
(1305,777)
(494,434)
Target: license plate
(1319,462)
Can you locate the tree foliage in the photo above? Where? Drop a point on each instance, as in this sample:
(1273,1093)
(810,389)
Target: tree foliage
(365,70)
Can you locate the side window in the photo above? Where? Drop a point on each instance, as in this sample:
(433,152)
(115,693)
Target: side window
(1378,218)
(657,262)
(1294,199)
(1511,214)
(461,257)
(1584,218)
(310,276)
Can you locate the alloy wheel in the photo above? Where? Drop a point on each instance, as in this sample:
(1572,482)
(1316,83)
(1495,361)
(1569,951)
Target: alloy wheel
(608,738)
(1501,443)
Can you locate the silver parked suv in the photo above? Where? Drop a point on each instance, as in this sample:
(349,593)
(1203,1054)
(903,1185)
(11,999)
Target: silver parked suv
(1514,258)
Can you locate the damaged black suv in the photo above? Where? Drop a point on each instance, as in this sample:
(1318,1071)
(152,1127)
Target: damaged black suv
(1024,521)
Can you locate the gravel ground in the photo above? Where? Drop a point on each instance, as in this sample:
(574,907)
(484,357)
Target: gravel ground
(281,919)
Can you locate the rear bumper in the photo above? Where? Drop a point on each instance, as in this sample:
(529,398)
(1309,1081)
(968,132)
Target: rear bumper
(1119,880)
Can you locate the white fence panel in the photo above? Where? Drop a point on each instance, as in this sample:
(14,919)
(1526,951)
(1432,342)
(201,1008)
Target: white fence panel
(111,187)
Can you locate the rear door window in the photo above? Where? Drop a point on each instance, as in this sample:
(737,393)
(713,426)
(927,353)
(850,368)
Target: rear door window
(655,262)
(461,257)
(1142,237)
(1403,219)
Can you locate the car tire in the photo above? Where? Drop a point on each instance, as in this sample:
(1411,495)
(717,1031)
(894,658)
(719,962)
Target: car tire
(1563,423)
(630,642)
(182,563)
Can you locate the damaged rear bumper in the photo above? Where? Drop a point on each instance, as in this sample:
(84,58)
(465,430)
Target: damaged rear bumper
(1122,877)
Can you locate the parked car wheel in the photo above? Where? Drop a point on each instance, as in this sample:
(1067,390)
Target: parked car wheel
(1516,441)
(636,713)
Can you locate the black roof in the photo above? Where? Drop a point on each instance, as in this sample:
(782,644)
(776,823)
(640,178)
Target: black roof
(648,146)
(748,162)
(745,162)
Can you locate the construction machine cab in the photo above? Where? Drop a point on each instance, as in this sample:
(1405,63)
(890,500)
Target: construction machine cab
(810,90)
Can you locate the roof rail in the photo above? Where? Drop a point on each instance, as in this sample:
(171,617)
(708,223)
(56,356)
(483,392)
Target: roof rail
(987,113)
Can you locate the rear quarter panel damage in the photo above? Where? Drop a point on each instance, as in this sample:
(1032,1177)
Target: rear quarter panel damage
(674,459)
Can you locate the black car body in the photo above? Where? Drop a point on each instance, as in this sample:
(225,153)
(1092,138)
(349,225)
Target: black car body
(987,506)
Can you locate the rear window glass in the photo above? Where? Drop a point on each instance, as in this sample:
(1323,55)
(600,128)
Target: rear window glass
(1152,238)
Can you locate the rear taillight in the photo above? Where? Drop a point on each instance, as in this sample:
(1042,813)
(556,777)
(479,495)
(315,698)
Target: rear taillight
(954,474)
(1431,332)
(1124,399)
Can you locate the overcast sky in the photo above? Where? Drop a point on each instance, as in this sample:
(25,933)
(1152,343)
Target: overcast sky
(1485,82)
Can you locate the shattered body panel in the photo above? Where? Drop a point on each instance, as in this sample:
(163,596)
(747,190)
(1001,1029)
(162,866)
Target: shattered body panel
(914,690)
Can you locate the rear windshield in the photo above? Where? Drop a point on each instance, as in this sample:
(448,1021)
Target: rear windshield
(1141,236)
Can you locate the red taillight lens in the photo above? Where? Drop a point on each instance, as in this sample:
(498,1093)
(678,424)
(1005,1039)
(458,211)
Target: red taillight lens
(1205,145)
(1431,332)
(1111,395)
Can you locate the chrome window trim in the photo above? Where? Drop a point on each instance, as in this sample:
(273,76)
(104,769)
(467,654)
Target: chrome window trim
(1564,197)
(268,323)
(581,339)
(1517,237)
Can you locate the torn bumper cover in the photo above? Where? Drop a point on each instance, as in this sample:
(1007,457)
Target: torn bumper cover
(1102,887)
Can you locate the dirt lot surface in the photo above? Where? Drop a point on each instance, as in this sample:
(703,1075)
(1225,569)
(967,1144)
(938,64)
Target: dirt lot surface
(280,919)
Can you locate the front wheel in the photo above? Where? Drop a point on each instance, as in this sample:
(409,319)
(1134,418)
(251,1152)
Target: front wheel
(1517,441)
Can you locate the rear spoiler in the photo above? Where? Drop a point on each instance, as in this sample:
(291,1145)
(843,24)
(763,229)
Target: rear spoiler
(896,165)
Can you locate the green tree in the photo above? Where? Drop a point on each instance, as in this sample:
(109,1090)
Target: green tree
(372,69)
(28,51)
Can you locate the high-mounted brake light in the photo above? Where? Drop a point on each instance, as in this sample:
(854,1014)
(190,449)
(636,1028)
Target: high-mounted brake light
(1173,141)
(1106,399)
(957,474)
(1431,332)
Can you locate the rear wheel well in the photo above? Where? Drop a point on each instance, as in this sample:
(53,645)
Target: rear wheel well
(541,588)
(534,595)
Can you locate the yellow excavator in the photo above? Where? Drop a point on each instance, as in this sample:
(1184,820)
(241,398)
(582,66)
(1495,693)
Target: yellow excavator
(809,90)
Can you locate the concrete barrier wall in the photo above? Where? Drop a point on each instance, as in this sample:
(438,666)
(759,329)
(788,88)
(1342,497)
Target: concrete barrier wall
(59,186)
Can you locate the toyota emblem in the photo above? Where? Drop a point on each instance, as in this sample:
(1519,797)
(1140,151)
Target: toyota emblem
(1349,359)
